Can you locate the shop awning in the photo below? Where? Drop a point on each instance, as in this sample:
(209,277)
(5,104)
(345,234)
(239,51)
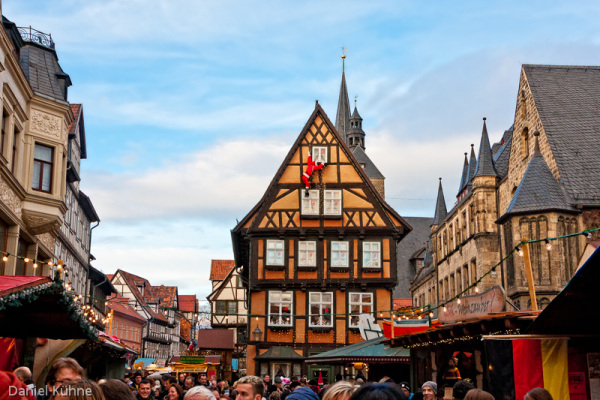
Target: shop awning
(372,351)
(573,311)
(142,363)
(283,353)
(40,307)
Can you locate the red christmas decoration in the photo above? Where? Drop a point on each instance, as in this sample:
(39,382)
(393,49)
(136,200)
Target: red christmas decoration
(311,167)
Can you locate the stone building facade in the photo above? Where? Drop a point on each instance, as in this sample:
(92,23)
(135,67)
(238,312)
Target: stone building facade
(539,181)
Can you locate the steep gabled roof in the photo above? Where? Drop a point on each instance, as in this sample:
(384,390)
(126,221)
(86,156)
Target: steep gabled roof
(485,164)
(363,159)
(220,268)
(391,216)
(440,207)
(134,280)
(567,100)
(538,191)
(75,108)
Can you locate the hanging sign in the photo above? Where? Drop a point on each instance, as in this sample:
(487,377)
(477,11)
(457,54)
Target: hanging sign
(476,306)
(191,360)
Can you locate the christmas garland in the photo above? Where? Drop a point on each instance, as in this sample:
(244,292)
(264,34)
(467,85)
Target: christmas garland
(31,294)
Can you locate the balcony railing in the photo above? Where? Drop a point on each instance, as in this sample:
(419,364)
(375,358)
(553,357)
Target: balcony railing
(33,35)
(158,337)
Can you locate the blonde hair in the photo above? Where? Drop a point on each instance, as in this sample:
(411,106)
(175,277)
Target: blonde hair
(257,384)
(339,391)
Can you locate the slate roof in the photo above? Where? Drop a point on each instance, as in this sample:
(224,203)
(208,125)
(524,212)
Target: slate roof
(502,154)
(428,268)
(342,118)
(567,99)
(485,165)
(415,241)
(369,166)
(215,339)
(43,72)
(472,165)
(188,302)
(465,174)
(220,268)
(538,190)
(440,207)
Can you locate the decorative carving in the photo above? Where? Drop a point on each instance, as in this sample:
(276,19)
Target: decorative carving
(39,223)
(46,124)
(10,198)
(47,240)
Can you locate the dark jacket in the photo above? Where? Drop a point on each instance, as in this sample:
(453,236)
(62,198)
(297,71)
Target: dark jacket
(303,393)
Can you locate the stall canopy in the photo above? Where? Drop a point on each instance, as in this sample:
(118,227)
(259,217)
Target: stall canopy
(370,351)
(282,353)
(574,310)
(39,307)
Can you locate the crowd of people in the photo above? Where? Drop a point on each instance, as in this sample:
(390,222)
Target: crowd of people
(66,381)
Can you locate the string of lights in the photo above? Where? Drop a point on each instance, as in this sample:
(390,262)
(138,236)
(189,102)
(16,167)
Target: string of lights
(415,312)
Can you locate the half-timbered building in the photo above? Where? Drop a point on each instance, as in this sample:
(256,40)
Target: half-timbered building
(314,260)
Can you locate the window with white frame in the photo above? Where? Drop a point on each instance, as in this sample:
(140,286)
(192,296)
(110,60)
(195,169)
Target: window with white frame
(321,310)
(360,303)
(339,254)
(275,252)
(42,168)
(319,154)
(371,255)
(307,253)
(280,308)
(333,202)
(310,203)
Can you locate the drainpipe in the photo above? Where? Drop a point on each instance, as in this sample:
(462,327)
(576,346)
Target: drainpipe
(89,259)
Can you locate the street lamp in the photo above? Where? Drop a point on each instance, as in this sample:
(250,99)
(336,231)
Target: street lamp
(257,334)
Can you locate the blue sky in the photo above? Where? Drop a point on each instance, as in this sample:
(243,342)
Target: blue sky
(190,106)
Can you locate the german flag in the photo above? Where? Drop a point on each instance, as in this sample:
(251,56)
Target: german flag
(519,365)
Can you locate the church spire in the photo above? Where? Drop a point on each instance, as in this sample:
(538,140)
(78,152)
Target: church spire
(485,162)
(342,118)
(465,175)
(440,207)
(472,166)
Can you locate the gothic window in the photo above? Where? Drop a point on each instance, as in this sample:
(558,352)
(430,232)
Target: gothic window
(339,254)
(568,247)
(473,272)
(508,246)
(537,228)
(371,255)
(310,203)
(360,303)
(307,253)
(280,308)
(321,309)
(275,252)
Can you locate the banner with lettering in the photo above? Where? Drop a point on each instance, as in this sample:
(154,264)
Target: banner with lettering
(476,306)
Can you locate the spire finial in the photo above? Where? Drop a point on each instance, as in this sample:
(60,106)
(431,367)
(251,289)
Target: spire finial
(355,97)
(536,148)
(344,50)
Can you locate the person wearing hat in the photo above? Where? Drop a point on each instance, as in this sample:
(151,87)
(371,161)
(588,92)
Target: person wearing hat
(303,393)
(405,387)
(429,390)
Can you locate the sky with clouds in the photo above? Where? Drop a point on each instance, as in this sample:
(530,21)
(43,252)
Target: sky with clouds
(191,106)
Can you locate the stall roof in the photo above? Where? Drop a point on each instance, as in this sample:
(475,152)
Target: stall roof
(497,323)
(572,311)
(376,350)
(280,353)
(39,307)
